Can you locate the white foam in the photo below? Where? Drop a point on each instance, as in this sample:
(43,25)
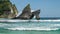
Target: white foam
(36,28)
(30,20)
(13,20)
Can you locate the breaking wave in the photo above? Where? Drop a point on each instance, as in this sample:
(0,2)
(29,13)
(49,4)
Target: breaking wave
(43,29)
(45,25)
(30,20)
(53,27)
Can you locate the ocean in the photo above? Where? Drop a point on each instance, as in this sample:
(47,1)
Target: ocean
(29,26)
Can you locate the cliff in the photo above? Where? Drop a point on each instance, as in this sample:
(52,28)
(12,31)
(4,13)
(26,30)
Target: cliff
(7,9)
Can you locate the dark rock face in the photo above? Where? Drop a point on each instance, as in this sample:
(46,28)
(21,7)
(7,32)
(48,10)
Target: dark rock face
(31,16)
(36,13)
(26,13)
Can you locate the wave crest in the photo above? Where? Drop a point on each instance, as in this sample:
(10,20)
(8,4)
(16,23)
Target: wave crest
(30,20)
(37,28)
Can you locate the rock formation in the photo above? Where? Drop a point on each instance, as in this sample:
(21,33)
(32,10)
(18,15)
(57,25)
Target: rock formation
(27,14)
(7,9)
(36,13)
(4,10)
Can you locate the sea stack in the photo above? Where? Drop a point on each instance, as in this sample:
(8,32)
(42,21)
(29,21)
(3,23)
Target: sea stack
(27,14)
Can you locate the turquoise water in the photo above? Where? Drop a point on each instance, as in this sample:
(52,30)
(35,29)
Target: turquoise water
(30,27)
(30,32)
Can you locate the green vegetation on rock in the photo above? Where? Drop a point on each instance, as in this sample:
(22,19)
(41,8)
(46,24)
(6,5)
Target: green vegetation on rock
(5,9)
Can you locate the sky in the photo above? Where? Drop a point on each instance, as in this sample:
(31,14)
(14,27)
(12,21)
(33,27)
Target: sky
(49,8)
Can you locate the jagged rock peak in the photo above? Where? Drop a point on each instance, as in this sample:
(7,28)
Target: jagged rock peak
(27,9)
(26,13)
(28,6)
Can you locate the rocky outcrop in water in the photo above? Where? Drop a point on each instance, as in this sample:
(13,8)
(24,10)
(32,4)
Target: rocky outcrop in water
(9,10)
(27,14)
(36,13)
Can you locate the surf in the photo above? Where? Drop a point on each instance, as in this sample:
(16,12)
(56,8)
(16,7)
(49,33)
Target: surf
(41,25)
(30,26)
(8,20)
(36,28)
